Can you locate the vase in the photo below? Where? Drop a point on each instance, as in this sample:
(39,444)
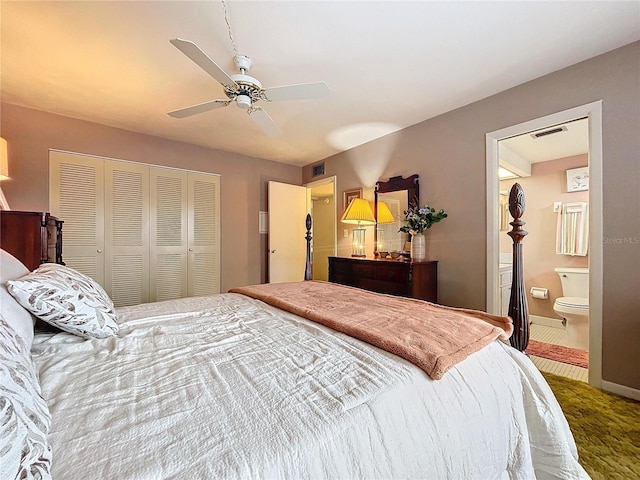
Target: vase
(418,247)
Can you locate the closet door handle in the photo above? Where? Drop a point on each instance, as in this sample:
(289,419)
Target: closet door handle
(99,250)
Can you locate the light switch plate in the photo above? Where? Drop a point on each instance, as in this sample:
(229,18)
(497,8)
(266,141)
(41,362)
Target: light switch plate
(264,223)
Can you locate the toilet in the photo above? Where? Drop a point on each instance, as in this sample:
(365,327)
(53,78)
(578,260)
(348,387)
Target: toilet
(573,306)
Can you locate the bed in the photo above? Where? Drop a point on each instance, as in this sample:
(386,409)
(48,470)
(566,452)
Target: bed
(242,385)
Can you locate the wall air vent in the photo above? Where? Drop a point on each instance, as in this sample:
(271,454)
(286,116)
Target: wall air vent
(317,170)
(549,132)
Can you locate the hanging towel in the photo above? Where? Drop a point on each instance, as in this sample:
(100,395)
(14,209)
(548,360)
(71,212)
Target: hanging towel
(572,231)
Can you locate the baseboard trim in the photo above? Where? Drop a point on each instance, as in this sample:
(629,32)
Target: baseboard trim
(546,321)
(620,390)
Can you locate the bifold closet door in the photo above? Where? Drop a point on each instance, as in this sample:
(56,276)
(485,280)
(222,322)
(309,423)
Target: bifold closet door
(168,228)
(145,233)
(126,232)
(76,196)
(203,234)
(185,234)
(105,208)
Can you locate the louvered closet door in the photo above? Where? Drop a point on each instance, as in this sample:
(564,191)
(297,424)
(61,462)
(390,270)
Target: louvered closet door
(168,230)
(127,232)
(204,234)
(76,195)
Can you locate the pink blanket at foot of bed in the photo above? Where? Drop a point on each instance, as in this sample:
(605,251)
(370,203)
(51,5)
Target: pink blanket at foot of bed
(431,336)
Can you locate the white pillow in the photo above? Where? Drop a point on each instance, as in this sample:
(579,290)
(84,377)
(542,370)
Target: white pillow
(24,416)
(10,267)
(66,299)
(15,315)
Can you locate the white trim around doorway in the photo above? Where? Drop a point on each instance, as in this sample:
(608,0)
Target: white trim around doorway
(592,111)
(334,180)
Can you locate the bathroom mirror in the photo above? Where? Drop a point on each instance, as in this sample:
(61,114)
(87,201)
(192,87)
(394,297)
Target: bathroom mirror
(391,199)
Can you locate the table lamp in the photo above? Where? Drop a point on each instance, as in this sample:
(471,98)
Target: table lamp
(358,212)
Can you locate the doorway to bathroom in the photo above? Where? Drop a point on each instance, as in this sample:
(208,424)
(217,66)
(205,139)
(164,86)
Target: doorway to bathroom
(557,159)
(551,165)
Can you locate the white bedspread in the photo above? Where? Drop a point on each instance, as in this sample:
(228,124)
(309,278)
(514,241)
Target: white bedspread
(228,387)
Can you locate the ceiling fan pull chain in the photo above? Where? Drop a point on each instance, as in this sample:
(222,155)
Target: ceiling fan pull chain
(226,19)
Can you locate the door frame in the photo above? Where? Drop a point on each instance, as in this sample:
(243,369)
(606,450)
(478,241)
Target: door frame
(592,111)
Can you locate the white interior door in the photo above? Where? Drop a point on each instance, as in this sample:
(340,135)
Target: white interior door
(287,245)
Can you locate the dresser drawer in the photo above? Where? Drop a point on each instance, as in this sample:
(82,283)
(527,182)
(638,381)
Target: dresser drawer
(414,279)
(391,288)
(339,266)
(389,272)
(364,270)
(343,279)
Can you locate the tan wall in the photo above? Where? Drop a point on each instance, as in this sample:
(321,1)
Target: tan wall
(31,133)
(546,185)
(448,152)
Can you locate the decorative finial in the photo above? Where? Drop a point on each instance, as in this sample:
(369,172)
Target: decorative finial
(516,201)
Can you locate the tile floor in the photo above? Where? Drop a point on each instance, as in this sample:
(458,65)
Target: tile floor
(554,335)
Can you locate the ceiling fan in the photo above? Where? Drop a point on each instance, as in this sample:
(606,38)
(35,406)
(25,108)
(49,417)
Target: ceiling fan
(243,89)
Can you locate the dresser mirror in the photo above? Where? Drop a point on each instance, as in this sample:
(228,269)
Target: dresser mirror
(391,199)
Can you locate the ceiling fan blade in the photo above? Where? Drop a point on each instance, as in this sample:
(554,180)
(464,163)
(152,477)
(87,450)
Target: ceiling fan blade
(200,108)
(201,59)
(264,121)
(299,91)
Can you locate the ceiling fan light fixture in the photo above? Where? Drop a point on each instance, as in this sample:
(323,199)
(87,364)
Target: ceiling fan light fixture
(243,101)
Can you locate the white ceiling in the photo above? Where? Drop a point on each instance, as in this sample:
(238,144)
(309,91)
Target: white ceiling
(573,140)
(389,64)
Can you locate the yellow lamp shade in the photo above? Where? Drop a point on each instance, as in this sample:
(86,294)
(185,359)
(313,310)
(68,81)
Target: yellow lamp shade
(358,212)
(384,214)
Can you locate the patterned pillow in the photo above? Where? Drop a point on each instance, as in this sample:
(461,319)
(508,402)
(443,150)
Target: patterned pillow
(24,416)
(66,299)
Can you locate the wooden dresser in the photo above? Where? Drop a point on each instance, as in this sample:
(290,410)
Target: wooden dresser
(407,279)
(31,237)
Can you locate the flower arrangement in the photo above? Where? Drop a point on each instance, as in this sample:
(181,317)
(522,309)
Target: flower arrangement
(417,219)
